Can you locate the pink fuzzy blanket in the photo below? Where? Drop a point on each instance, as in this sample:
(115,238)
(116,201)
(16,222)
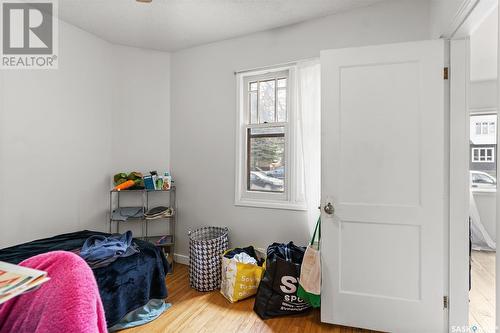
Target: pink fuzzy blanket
(69,302)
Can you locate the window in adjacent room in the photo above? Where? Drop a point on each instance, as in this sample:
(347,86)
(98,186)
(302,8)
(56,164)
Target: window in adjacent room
(485,127)
(483,155)
(483,146)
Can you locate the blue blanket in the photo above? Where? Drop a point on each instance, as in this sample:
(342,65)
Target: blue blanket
(124,285)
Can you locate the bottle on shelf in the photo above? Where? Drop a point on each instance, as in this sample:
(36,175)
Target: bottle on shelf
(167,181)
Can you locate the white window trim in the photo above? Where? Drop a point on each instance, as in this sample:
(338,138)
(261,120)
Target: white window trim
(243,197)
(486,155)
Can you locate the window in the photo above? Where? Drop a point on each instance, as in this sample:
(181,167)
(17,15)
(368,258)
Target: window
(268,99)
(483,145)
(265,158)
(485,128)
(478,128)
(491,127)
(483,155)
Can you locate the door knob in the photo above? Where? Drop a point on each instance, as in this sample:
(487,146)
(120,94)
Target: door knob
(329,209)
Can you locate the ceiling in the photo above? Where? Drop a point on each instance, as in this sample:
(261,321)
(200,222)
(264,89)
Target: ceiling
(171,25)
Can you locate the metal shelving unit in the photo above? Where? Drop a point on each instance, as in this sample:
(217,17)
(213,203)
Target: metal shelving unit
(169,247)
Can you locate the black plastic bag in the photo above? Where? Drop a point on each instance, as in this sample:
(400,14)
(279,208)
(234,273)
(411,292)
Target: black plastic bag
(277,293)
(248,250)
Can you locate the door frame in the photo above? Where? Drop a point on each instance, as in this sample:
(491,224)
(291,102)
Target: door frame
(470,16)
(459,186)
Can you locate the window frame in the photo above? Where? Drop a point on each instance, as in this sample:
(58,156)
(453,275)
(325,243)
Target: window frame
(288,199)
(486,149)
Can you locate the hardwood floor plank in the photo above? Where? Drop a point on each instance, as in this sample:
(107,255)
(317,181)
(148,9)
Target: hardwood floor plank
(194,311)
(482,294)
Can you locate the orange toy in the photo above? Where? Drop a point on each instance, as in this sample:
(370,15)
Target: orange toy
(124,185)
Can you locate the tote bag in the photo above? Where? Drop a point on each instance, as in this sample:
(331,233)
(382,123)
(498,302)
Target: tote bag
(277,292)
(240,280)
(310,273)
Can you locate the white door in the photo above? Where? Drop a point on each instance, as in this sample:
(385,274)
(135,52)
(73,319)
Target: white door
(383,171)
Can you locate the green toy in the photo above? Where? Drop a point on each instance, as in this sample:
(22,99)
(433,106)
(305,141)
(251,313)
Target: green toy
(136,176)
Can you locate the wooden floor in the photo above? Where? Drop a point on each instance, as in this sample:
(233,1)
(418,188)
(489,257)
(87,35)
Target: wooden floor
(482,294)
(193,311)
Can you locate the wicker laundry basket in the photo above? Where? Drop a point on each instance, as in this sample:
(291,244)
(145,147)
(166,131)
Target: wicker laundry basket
(206,246)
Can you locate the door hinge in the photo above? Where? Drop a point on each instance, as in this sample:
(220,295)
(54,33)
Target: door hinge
(445,73)
(445,302)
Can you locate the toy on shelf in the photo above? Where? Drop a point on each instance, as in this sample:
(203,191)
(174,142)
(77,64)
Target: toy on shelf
(132,181)
(137,181)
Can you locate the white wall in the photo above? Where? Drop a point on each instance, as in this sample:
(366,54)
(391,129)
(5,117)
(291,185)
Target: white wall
(483,95)
(141,121)
(141,109)
(65,132)
(55,146)
(483,46)
(204,110)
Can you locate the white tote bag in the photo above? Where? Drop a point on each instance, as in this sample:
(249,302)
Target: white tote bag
(310,271)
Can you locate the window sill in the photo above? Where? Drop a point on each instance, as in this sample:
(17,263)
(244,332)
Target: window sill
(484,190)
(271,204)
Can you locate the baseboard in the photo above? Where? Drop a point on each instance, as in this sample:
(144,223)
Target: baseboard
(181,259)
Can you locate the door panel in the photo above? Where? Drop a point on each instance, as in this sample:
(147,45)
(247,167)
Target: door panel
(358,260)
(394,167)
(383,169)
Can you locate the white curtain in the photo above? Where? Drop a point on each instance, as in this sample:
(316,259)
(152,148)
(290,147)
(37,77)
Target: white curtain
(480,238)
(308,134)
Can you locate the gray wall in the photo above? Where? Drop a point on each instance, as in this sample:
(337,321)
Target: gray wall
(65,132)
(55,142)
(204,111)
